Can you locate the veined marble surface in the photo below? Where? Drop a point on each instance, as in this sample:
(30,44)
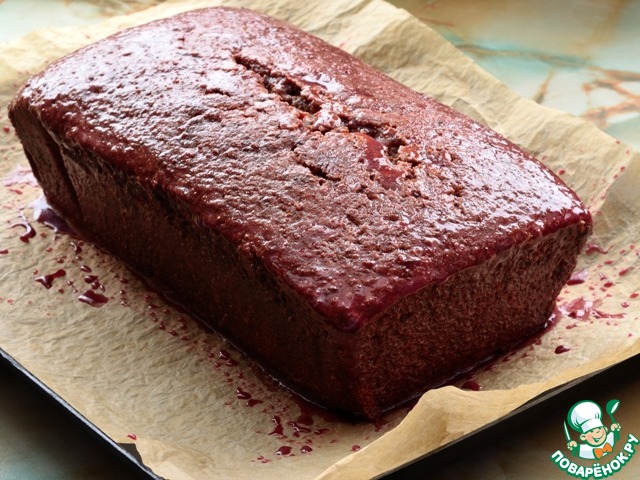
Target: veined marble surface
(579,56)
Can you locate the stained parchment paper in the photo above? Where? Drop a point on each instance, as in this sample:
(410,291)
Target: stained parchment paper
(145,373)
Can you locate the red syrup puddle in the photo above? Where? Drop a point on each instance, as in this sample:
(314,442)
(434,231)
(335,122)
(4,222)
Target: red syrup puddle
(306,449)
(283,451)
(581,309)
(355,448)
(624,271)
(308,411)
(132,436)
(471,385)
(77,247)
(299,428)
(279,428)
(92,298)
(228,361)
(3,251)
(562,349)
(242,395)
(29,231)
(43,213)
(47,280)
(578,277)
(594,248)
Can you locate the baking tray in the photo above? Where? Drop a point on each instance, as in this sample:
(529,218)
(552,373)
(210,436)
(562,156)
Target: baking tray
(124,455)
(419,468)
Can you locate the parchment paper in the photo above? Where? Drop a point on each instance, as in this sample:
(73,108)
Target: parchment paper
(145,373)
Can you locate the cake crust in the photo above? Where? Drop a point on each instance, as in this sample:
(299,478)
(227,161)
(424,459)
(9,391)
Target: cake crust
(330,221)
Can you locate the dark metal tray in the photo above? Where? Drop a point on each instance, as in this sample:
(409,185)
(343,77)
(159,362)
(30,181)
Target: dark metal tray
(422,467)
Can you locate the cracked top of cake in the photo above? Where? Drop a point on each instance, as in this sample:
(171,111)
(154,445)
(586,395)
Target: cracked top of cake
(353,189)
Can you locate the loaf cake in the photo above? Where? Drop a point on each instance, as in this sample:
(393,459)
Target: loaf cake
(360,241)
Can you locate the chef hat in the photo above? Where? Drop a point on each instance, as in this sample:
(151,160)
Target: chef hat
(585,416)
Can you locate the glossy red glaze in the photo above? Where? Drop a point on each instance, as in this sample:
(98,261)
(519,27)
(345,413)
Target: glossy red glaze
(466,192)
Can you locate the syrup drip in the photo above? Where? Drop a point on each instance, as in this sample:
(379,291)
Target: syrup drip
(562,349)
(47,280)
(224,355)
(306,449)
(29,231)
(581,308)
(283,451)
(242,395)
(43,213)
(578,277)
(3,251)
(594,248)
(92,298)
(279,429)
(471,385)
(297,428)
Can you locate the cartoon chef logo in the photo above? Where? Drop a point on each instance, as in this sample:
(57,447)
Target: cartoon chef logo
(603,452)
(596,440)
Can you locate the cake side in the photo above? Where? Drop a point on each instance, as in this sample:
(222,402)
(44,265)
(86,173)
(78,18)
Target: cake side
(228,289)
(470,317)
(350,234)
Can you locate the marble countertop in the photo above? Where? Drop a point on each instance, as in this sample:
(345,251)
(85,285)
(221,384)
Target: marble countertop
(579,56)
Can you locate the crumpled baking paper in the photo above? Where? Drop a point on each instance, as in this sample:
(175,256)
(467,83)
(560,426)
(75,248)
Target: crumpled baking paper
(145,373)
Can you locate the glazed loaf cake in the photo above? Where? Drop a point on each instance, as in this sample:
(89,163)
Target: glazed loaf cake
(359,240)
